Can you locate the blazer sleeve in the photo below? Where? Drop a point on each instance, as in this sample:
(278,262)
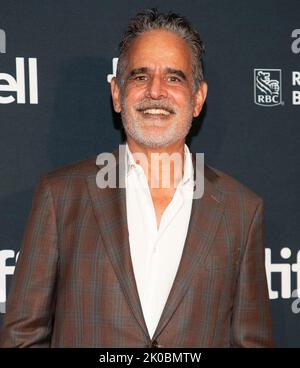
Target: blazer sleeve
(251,319)
(31,302)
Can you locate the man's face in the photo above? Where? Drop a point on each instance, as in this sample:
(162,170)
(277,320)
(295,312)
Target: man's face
(157,101)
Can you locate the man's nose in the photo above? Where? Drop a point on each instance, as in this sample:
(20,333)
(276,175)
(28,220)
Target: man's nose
(156,88)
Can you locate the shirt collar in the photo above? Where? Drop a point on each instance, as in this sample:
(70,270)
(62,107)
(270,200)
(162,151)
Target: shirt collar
(188,171)
(130,164)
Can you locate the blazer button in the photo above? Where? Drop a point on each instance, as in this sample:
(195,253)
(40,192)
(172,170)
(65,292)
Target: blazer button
(155,344)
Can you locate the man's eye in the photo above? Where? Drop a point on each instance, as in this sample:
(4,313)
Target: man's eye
(140,77)
(174,79)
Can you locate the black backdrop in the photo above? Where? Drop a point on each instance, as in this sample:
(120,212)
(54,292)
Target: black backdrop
(67,115)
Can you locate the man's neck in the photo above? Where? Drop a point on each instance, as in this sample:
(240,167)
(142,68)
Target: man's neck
(161,165)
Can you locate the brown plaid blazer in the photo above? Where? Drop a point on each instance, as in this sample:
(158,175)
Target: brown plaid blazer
(74,284)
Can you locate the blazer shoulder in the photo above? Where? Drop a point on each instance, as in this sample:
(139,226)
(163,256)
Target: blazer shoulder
(232,187)
(75,169)
(70,177)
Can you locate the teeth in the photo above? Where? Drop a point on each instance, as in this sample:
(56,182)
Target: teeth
(156,112)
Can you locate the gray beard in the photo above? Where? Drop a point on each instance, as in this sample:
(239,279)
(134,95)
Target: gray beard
(135,131)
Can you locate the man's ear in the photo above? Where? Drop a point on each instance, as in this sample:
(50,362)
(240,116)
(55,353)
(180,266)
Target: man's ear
(200,97)
(115,94)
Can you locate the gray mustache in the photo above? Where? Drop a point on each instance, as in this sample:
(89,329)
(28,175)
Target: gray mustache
(145,106)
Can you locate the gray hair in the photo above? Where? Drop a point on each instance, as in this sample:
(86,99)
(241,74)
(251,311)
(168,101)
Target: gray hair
(152,19)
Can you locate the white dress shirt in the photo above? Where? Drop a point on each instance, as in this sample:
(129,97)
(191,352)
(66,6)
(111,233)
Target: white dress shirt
(156,253)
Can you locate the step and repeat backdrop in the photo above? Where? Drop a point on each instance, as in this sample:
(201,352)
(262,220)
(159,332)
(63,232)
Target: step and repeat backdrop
(56,62)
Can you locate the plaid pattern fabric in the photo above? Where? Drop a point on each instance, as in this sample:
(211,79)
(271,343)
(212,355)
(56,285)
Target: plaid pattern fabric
(74,284)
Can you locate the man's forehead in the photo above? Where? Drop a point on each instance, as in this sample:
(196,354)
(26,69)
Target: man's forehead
(159,50)
(159,45)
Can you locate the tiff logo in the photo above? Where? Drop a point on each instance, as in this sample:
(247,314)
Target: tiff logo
(286,270)
(5,270)
(2,42)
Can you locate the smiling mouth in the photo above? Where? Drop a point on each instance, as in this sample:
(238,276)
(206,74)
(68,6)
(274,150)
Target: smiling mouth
(155,112)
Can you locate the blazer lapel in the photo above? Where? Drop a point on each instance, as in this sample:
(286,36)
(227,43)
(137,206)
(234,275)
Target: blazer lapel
(109,205)
(205,218)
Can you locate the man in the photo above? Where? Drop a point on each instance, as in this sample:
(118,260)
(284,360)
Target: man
(145,265)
